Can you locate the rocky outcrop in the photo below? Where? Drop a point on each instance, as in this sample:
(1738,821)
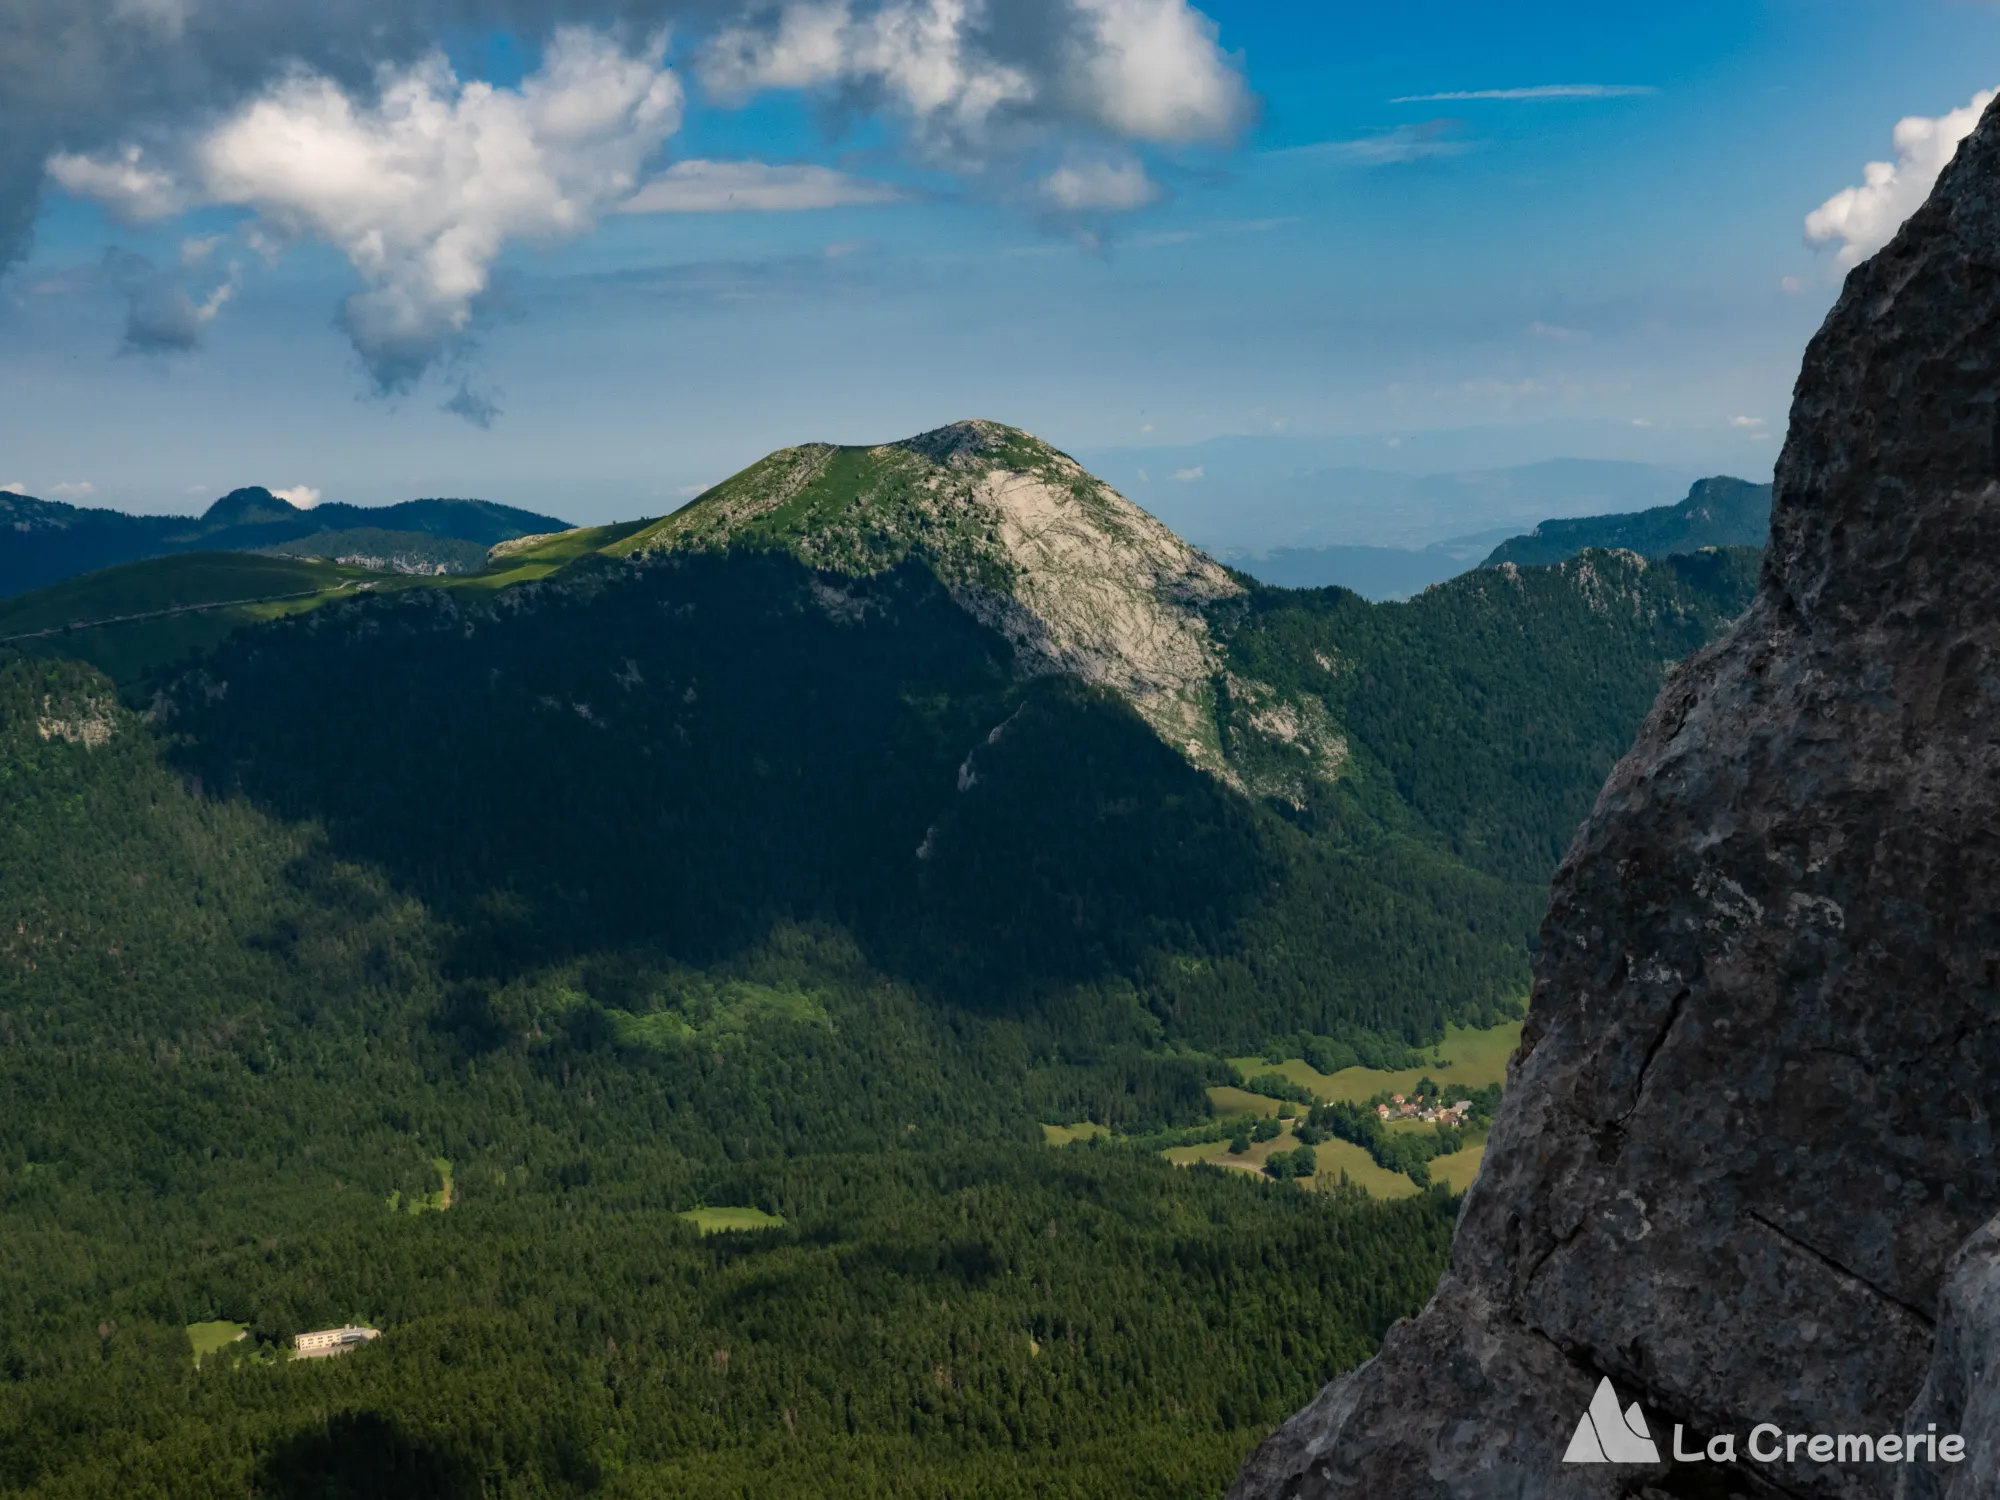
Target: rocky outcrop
(1751,1122)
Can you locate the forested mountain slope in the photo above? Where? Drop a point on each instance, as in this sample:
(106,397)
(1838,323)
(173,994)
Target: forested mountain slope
(800,858)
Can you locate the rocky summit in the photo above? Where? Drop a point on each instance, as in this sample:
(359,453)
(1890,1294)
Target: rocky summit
(1746,1165)
(1075,576)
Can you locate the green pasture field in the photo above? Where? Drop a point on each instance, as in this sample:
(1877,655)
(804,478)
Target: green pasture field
(1333,1156)
(1457,1170)
(207,1338)
(724,1220)
(1336,1157)
(1234,1101)
(1472,1058)
(1062,1135)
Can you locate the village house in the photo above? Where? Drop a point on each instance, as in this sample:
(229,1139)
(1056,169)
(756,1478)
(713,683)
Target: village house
(1403,1108)
(330,1341)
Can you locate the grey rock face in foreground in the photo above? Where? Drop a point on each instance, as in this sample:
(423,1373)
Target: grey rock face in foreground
(1751,1122)
(1962,1393)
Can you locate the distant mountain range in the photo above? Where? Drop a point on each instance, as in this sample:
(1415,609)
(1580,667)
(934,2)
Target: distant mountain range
(45,541)
(1717,513)
(1247,498)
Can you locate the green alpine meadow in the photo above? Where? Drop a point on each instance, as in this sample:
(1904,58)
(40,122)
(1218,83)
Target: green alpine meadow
(762,1001)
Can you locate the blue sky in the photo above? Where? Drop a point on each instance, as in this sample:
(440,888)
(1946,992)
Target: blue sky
(1434,284)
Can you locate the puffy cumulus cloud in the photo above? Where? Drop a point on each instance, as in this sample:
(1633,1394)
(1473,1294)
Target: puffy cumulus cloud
(335,121)
(1098,187)
(80,79)
(124,182)
(975,80)
(1861,220)
(304,496)
(703,187)
(920,57)
(1153,70)
(421,187)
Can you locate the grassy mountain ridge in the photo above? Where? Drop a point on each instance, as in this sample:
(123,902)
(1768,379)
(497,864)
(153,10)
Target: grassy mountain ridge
(44,541)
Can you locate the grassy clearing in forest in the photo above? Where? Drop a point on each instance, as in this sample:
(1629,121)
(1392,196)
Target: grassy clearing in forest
(1235,1101)
(207,1338)
(724,1220)
(1473,1058)
(1062,1135)
(1334,1158)
(1337,1157)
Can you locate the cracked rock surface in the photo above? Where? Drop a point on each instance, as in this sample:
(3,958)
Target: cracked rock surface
(1750,1125)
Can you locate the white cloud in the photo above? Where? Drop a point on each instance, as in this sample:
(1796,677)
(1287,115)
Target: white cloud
(1748,424)
(304,496)
(1152,71)
(422,187)
(809,46)
(1134,70)
(1098,186)
(1791,285)
(704,187)
(1861,220)
(1188,476)
(1556,333)
(918,53)
(1538,92)
(13,487)
(74,489)
(123,182)
(1642,421)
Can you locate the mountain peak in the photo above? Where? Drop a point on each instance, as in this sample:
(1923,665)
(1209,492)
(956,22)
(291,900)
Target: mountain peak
(250,506)
(1078,578)
(963,444)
